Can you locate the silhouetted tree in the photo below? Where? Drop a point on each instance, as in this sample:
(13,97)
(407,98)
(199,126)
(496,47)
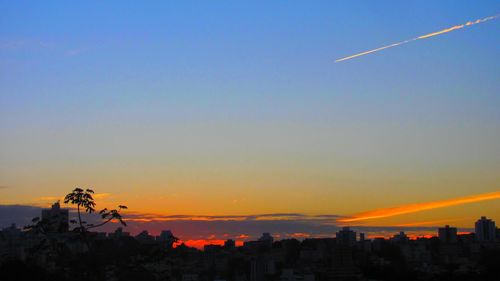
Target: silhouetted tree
(85,202)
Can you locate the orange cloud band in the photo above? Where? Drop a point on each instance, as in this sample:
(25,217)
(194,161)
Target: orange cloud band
(413,208)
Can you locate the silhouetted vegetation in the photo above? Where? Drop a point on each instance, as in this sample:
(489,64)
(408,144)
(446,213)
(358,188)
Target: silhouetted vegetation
(83,200)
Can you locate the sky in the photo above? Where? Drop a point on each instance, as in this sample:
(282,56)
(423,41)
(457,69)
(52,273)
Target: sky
(238,108)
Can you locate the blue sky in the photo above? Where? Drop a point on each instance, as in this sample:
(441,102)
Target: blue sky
(249,60)
(211,104)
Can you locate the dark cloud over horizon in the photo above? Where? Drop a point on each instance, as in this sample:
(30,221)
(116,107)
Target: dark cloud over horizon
(21,215)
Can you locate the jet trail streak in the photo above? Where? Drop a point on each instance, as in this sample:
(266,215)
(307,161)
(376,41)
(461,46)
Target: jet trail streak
(456,27)
(413,208)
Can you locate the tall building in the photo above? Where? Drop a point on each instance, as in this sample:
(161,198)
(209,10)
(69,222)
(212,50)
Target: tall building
(447,234)
(343,265)
(56,218)
(485,230)
(346,237)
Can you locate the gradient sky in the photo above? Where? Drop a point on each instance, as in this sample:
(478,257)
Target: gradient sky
(237,107)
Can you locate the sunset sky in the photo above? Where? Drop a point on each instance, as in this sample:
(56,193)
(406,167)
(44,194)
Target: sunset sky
(219,110)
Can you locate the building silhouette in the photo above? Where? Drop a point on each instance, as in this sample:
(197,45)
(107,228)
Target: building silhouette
(56,218)
(447,234)
(451,256)
(485,230)
(343,263)
(229,244)
(401,237)
(346,237)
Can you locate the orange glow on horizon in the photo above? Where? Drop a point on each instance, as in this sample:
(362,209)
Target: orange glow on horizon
(415,237)
(300,235)
(200,243)
(418,207)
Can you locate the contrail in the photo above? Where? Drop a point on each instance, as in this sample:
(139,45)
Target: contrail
(413,208)
(456,27)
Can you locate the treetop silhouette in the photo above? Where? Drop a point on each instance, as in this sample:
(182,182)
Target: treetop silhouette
(84,200)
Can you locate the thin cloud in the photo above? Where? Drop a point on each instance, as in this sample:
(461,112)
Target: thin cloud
(20,215)
(12,44)
(76,52)
(147,217)
(49,198)
(443,31)
(97,196)
(413,208)
(18,44)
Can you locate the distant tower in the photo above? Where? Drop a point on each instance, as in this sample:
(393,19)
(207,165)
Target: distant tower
(56,218)
(485,230)
(343,265)
(447,234)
